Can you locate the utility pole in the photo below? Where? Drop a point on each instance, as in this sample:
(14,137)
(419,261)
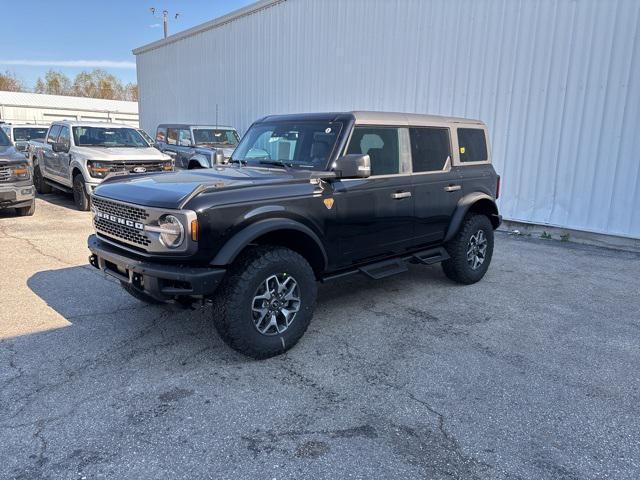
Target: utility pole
(165,19)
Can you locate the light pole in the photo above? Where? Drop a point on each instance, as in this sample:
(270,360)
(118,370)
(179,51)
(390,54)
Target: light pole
(165,21)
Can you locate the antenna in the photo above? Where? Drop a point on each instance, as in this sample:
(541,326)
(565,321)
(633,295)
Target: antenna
(165,19)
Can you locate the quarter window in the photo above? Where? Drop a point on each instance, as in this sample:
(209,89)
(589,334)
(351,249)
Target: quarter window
(473,145)
(382,146)
(430,149)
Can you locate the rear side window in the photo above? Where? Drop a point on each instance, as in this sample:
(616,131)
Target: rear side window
(473,145)
(53,134)
(172,136)
(430,149)
(161,135)
(382,146)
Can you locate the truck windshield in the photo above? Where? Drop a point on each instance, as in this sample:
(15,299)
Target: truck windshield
(4,139)
(23,134)
(214,136)
(108,137)
(305,145)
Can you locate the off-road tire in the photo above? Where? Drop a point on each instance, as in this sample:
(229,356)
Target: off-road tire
(27,211)
(232,306)
(80,197)
(139,294)
(42,187)
(457,268)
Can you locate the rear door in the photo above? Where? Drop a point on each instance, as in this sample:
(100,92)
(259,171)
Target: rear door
(49,157)
(375,214)
(437,185)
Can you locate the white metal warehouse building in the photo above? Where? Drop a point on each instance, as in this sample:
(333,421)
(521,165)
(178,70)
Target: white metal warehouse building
(21,107)
(556,81)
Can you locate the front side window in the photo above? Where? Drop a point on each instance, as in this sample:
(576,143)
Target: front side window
(24,134)
(184,137)
(215,137)
(53,134)
(430,148)
(473,145)
(294,144)
(64,136)
(161,135)
(108,137)
(381,144)
(4,139)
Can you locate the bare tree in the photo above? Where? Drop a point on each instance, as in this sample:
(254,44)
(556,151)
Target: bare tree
(55,83)
(10,83)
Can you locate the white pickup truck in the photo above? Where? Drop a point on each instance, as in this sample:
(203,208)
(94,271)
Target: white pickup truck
(76,156)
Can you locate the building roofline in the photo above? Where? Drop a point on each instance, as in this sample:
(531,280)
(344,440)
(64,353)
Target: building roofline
(211,24)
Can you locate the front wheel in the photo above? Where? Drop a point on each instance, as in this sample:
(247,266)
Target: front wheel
(80,196)
(470,250)
(266,302)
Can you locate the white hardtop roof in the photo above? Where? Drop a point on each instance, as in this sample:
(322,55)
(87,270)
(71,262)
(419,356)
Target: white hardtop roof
(396,118)
(75,123)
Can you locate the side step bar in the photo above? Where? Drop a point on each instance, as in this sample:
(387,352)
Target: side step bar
(386,268)
(57,186)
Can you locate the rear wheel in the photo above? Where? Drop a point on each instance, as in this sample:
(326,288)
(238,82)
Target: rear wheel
(80,196)
(38,180)
(266,302)
(27,211)
(470,250)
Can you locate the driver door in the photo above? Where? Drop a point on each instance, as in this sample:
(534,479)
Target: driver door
(64,158)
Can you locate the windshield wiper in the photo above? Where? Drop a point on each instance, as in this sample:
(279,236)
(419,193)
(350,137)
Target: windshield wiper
(279,163)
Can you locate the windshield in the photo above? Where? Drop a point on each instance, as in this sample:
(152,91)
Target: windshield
(23,134)
(214,136)
(4,140)
(108,137)
(296,144)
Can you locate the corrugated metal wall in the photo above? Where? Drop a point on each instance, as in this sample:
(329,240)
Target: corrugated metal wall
(557,82)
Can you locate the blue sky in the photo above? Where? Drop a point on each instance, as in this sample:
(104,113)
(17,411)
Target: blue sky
(56,35)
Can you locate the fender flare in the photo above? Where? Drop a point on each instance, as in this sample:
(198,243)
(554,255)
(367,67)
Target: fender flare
(464,204)
(232,248)
(201,159)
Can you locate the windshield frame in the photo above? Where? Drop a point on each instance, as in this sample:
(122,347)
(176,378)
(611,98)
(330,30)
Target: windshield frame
(263,162)
(232,130)
(132,130)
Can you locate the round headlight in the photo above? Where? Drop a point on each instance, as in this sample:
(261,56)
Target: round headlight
(172,234)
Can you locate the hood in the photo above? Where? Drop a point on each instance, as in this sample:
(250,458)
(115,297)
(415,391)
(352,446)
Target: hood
(170,190)
(11,155)
(226,151)
(121,153)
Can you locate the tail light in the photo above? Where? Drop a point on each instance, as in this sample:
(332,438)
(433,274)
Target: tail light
(498,187)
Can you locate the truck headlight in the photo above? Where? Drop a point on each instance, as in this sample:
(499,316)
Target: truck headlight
(21,172)
(98,169)
(167,166)
(171,231)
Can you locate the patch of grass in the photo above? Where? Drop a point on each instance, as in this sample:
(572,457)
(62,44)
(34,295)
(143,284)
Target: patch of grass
(564,237)
(545,235)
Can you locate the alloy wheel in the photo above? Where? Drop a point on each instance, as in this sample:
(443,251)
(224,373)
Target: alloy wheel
(275,304)
(477,249)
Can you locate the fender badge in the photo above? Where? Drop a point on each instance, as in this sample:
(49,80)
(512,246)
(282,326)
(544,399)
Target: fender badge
(328,202)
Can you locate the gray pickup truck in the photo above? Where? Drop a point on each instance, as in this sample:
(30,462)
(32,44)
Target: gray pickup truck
(16,182)
(197,146)
(22,134)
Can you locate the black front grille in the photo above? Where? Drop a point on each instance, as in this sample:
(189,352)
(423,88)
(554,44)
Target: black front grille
(121,232)
(128,212)
(131,166)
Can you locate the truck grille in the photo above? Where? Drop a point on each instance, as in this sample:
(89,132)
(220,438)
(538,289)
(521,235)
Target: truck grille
(5,174)
(131,166)
(115,226)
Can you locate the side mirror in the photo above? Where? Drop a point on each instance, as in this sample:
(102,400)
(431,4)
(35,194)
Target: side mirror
(355,165)
(60,147)
(218,157)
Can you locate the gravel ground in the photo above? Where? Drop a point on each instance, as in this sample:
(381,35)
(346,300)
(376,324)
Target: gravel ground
(530,374)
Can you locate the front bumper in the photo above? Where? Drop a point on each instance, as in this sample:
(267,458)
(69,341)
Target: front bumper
(161,281)
(18,194)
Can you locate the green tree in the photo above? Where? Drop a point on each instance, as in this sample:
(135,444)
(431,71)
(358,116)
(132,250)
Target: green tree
(55,83)
(10,83)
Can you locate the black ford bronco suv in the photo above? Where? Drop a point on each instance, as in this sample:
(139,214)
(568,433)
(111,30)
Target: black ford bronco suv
(305,198)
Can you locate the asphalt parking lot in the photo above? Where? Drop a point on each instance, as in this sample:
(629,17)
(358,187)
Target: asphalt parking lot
(530,374)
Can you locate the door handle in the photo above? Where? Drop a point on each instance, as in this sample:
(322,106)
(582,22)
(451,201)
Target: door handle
(399,195)
(452,188)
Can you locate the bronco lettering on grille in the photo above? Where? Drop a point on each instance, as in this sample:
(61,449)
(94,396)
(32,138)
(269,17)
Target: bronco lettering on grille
(120,220)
